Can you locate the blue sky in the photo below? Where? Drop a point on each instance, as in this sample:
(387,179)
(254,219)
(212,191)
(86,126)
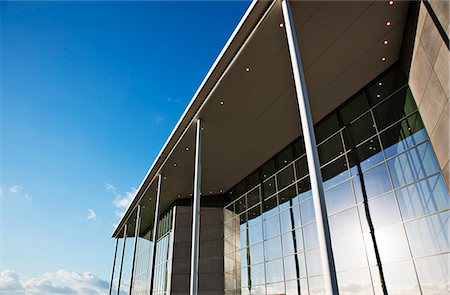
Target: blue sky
(90,91)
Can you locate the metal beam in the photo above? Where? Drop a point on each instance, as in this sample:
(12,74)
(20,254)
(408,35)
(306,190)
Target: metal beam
(315,175)
(137,228)
(155,231)
(193,289)
(113,266)
(123,255)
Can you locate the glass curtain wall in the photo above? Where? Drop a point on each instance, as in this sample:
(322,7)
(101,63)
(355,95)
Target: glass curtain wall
(386,200)
(163,259)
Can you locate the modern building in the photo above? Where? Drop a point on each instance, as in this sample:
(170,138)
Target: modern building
(313,159)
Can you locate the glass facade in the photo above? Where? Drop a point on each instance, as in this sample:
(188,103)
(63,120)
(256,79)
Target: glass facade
(163,259)
(386,201)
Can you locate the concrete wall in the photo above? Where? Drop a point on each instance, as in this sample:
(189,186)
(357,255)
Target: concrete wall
(211,262)
(429,80)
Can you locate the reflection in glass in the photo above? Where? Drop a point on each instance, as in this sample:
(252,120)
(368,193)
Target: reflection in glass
(310,236)
(400,278)
(313,262)
(413,165)
(326,127)
(269,187)
(275,289)
(272,248)
(355,107)
(344,224)
(429,235)
(335,173)
(253,197)
(254,234)
(271,227)
(256,254)
(355,282)
(285,177)
(316,285)
(424,197)
(383,211)
(257,274)
(339,197)
(294,267)
(366,155)
(359,131)
(433,273)
(349,254)
(274,271)
(307,211)
(392,244)
(330,149)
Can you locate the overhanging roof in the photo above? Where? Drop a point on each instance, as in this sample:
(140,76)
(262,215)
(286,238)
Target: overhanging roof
(247,100)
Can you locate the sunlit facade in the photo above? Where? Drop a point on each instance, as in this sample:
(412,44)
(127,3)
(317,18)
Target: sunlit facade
(305,164)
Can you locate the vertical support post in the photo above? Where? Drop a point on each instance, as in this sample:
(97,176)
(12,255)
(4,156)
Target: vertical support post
(155,232)
(113,266)
(193,290)
(123,255)
(137,227)
(329,270)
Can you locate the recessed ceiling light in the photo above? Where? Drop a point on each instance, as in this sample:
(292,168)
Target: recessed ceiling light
(221,191)
(174,164)
(247,69)
(388,23)
(281,25)
(379,84)
(385,42)
(378,95)
(179,196)
(165,177)
(221,102)
(186,148)
(383,59)
(190,195)
(210,192)
(391,2)
(203,128)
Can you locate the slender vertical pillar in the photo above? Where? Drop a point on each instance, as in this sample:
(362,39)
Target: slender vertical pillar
(193,289)
(123,255)
(155,232)
(137,228)
(315,176)
(113,266)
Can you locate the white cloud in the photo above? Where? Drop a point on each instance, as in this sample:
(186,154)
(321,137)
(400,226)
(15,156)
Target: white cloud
(122,199)
(158,118)
(175,100)
(15,189)
(61,282)
(91,215)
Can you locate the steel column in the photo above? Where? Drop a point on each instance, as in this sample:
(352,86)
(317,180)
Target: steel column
(113,266)
(137,227)
(193,290)
(123,254)
(315,176)
(155,231)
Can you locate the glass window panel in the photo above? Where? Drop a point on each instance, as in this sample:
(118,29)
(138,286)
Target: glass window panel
(355,107)
(376,181)
(294,267)
(285,157)
(304,189)
(270,207)
(311,238)
(285,197)
(384,211)
(269,188)
(400,278)
(253,197)
(344,224)
(429,235)
(433,273)
(272,248)
(240,205)
(301,167)
(244,258)
(268,169)
(316,286)
(366,155)
(359,131)
(257,275)
(386,85)
(395,108)
(253,179)
(285,177)
(355,282)
(294,288)
(413,165)
(349,254)
(307,211)
(254,215)
(289,242)
(313,263)
(427,196)
(392,244)
(243,218)
(254,234)
(330,149)
(339,198)
(271,227)
(239,189)
(287,220)
(299,239)
(357,189)
(275,289)
(274,271)
(363,218)
(299,147)
(335,173)
(326,127)
(256,254)
(403,135)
